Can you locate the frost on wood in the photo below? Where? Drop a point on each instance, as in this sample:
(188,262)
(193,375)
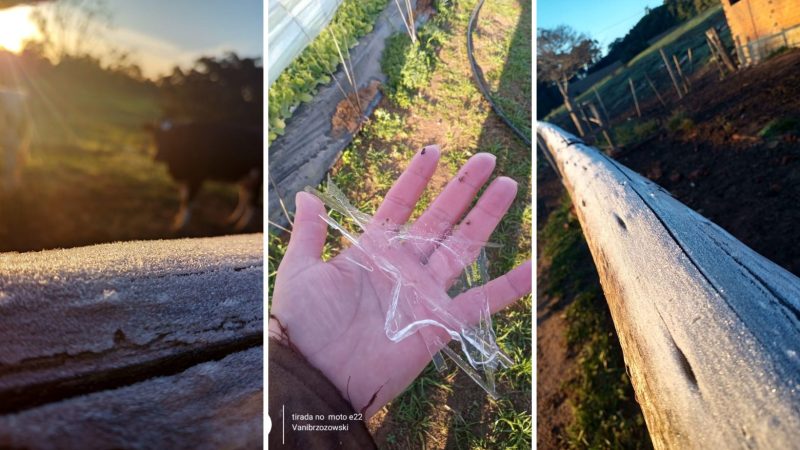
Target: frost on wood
(710,329)
(212,405)
(81,321)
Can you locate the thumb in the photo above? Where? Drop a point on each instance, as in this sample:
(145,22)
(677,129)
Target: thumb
(309,231)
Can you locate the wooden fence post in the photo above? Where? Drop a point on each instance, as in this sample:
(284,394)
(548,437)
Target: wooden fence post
(570,106)
(635,100)
(684,80)
(713,37)
(585,118)
(653,87)
(603,126)
(602,105)
(739,51)
(671,75)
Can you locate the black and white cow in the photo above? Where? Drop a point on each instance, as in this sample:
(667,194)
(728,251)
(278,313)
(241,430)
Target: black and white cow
(219,151)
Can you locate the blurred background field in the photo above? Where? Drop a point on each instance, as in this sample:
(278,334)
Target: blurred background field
(94,73)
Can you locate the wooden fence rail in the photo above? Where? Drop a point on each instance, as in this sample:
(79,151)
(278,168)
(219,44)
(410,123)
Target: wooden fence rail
(153,344)
(710,329)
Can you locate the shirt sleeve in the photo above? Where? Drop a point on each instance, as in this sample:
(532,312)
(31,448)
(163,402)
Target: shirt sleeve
(306,409)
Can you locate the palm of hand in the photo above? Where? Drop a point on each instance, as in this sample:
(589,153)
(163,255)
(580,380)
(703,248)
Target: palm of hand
(334,312)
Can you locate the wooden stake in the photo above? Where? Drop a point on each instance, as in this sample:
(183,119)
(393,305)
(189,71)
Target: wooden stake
(584,117)
(635,100)
(684,81)
(602,105)
(713,36)
(671,74)
(653,87)
(569,105)
(715,57)
(603,126)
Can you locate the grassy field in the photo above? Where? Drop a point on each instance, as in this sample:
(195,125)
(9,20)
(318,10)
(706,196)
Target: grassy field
(90,177)
(615,90)
(449,410)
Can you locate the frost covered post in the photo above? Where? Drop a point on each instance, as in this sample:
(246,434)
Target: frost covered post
(710,329)
(149,344)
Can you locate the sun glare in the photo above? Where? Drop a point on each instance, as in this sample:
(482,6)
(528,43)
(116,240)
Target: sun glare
(16,28)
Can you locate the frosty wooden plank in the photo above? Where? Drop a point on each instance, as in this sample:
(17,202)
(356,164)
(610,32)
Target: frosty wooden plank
(82,320)
(212,405)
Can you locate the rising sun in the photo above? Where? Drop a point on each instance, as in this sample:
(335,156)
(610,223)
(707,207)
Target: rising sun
(16,28)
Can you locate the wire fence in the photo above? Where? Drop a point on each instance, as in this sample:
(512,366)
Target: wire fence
(753,52)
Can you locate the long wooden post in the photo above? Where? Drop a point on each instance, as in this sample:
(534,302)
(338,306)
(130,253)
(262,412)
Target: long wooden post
(671,74)
(653,87)
(635,100)
(708,327)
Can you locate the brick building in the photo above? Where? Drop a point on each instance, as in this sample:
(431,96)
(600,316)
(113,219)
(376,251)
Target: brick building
(759,27)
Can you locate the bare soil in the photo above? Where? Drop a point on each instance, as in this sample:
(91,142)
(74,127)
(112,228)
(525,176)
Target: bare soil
(723,169)
(350,111)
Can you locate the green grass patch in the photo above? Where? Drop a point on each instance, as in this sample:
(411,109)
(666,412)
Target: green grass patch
(634,131)
(606,413)
(679,121)
(506,60)
(780,126)
(778,51)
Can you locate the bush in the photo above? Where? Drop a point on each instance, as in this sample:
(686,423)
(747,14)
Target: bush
(780,126)
(632,132)
(407,66)
(680,122)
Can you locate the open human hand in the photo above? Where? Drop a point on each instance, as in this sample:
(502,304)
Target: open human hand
(334,312)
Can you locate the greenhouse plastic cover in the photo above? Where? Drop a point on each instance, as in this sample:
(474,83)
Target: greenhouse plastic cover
(293,24)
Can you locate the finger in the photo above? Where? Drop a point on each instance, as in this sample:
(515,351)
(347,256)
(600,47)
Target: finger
(454,200)
(309,231)
(500,293)
(404,194)
(461,248)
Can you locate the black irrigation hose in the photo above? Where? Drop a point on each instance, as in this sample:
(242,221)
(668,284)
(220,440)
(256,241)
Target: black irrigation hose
(481,82)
